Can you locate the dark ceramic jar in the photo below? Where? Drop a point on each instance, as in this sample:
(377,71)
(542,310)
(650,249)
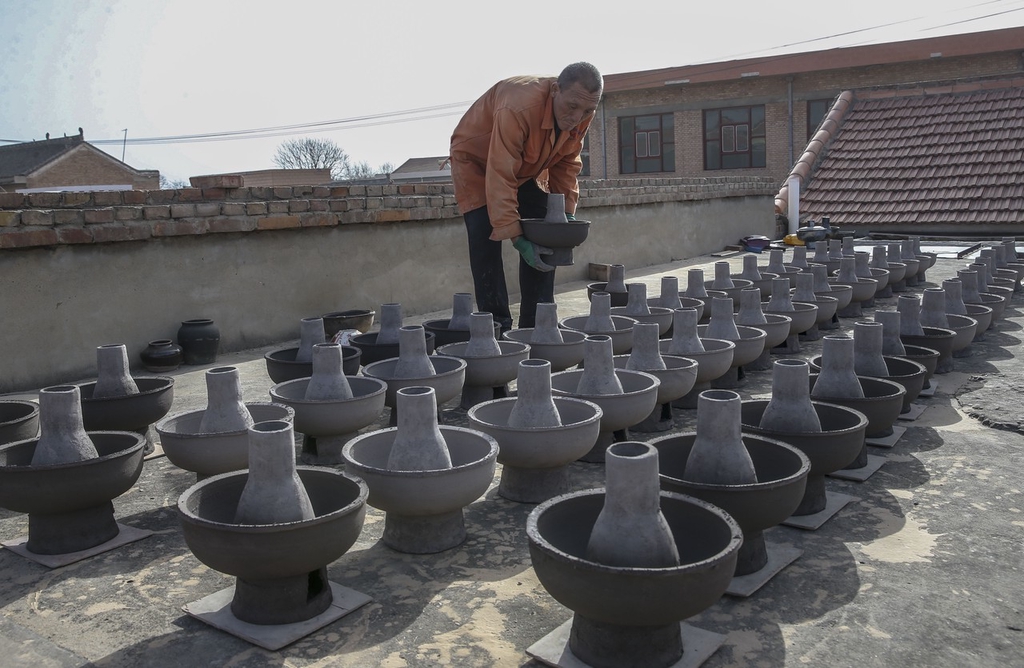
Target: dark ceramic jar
(199,340)
(162,355)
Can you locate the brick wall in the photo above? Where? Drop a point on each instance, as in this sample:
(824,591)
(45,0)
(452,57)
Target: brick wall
(54,219)
(79,270)
(687,102)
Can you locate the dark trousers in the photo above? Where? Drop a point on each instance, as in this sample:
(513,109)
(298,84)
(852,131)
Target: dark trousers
(485,262)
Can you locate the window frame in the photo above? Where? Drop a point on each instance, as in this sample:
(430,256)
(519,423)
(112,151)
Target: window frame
(654,144)
(735,137)
(827,104)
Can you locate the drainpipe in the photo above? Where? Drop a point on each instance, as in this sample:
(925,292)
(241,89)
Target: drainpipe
(793,184)
(789,87)
(604,146)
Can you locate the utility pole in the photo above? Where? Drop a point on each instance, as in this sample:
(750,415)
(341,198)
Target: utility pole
(124,144)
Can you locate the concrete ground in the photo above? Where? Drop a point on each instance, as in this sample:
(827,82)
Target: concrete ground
(924,569)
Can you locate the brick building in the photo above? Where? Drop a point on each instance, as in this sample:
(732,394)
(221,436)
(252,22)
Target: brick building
(756,116)
(68,163)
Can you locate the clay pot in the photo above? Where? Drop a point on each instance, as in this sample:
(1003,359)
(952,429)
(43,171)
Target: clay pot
(279,569)
(424,508)
(370,350)
(19,420)
(311,332)
(413,361)
(69,504)
(837,377)
(481,336)
(892,323)
(208,454)
(879,399)
(462,309)
(718,456)
(615,286)
(867,350)
(133,412)
(760,280)
(625,397)
(598,376)
(632,506)
(445,374)
(779,268)
(834,447)
(161,355)
(534,406)
(645,355)
(327,424)
(630,616)
(538,434)
(282,365)
(328,382)
(616,279)
(546,329)
(600,321)
(225,411)
(724,282)
(112,377)
(684,333)
(490,364)
(390,323)
(62,437)
(199,340)
(723,322)
(676,375)
(790,405)
(638,308)
(933,308)
(600,318)
(359,319)
(273,493)
(418,444)
(780,481)
(669,297)
(562,355)
(695,284)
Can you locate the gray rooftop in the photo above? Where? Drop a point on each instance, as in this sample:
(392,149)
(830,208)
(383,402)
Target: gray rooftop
(923,569)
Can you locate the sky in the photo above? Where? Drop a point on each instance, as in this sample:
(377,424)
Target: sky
(385,80)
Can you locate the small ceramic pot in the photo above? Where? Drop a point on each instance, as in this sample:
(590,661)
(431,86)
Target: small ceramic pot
(162,355)
(199,340)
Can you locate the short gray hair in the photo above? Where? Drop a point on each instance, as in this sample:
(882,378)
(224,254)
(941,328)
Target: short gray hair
(583,74)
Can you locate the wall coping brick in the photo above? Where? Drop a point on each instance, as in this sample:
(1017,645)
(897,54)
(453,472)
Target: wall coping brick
(134,215)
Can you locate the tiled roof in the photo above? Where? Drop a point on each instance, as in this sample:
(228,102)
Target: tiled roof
(433,164)
(25,158)
(948,46)
(955,158)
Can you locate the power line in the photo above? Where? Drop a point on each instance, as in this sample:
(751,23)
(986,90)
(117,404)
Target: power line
(385,118)
(723,63)
(453,108)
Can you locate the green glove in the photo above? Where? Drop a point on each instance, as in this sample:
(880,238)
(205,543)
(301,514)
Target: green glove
(531,252)
(571,216)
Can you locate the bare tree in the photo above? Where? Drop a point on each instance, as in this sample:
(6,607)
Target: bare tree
(313,153)
(173,184)
(362,170)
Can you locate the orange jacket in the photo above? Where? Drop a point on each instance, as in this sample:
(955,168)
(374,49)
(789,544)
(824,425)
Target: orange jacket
(506,138)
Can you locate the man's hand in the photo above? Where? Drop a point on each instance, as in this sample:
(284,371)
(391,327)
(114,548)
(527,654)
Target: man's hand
(531,253)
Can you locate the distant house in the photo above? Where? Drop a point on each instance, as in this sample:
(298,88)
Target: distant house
(68,163)
(423,170)
(264,178)
(905,136)
(414,170)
